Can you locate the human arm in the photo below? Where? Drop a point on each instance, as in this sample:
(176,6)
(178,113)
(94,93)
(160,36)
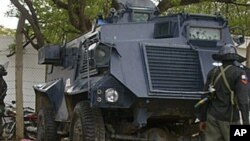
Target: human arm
(241,91)
(202,109)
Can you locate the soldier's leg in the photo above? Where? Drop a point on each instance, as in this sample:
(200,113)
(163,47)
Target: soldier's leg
(225,129)
(212,132)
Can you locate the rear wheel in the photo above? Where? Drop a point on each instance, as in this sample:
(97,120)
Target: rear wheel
(87,123)
(46,130)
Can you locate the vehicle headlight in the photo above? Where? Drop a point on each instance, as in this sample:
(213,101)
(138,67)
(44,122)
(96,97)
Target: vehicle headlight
(111,95)
(102,55)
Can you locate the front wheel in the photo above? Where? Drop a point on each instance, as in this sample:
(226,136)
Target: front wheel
(87,123)
(46,130)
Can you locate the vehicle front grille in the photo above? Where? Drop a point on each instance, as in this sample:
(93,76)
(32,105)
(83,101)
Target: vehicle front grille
(173,69)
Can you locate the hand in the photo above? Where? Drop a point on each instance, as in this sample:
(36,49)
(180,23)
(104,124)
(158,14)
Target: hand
(202,126)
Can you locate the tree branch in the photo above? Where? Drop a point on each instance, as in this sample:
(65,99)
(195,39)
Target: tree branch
(37,31)
(24,45)
(74,19)
(32,10)
(114,4)
(61,4)
(82,17)
(30,39)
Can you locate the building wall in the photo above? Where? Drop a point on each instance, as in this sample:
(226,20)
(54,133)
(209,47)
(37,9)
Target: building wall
(242,48)
(32,72)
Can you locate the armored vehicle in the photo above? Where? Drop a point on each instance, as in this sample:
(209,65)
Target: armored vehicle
(134,76)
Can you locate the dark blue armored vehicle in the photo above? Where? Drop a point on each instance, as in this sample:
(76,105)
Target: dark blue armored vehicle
(134,76)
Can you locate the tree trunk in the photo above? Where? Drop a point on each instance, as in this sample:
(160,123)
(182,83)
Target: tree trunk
(19,79)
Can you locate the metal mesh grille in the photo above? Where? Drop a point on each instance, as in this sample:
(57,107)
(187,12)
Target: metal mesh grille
(84,68)
(173,69)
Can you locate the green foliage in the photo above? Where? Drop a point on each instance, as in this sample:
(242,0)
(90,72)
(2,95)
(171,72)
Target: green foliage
(55,23)
(176,2)
(6,31)
(12,47)
(12,11)
(94,7)
(237,15)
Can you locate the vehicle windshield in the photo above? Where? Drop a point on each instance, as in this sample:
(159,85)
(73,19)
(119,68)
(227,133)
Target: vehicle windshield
(140,17)
(204,33)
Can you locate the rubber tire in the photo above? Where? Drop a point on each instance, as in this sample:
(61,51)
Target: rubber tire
(90,121)
(46,125)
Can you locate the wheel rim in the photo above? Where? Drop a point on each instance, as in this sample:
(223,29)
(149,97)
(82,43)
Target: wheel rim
(77,135)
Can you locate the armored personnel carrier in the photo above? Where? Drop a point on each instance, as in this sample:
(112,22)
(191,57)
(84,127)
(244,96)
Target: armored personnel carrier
(134,76)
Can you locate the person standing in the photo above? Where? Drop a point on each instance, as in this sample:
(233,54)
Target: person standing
(3,88)
(228,95)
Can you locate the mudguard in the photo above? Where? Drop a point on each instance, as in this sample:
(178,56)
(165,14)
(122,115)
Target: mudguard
(55,92)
